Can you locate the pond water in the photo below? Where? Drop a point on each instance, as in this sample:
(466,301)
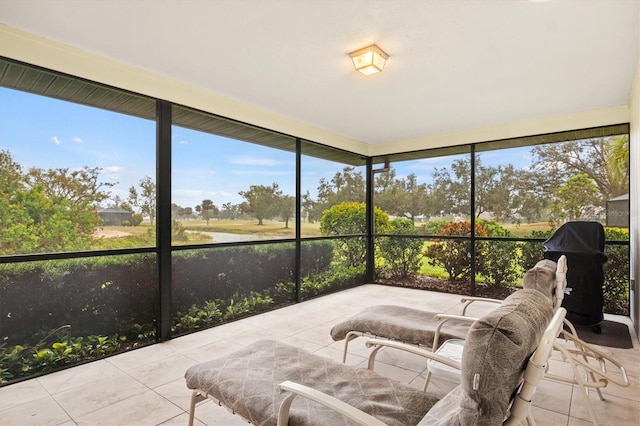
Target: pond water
(227,237)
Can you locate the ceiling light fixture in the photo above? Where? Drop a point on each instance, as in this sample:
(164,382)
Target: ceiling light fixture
(369,60)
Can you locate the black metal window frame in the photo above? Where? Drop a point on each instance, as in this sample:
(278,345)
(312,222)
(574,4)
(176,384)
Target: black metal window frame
(33,79)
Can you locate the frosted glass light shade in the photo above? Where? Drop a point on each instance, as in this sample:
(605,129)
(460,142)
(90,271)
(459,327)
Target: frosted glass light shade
(369,60)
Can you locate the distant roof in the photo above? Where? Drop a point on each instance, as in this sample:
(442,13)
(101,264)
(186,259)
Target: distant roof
(113,210)
(620,198)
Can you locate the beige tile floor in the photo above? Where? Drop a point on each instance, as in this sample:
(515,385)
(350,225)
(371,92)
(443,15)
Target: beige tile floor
(146,386)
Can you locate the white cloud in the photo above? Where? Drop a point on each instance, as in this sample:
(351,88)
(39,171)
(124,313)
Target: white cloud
(77,140)
(184,143)
(113,172)
(56,140)
(114,169)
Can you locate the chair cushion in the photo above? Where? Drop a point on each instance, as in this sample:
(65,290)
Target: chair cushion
(401,324)
(245,382)
(542,277)
(496,353)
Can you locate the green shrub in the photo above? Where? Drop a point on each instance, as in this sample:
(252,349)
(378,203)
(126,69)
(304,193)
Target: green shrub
(197,318)
(240,306)
(336,278)
(178,232)
(137,219)
(221,272)
(347,219)
(56,350)
(453,254)
(433,227)
(402,255)
(95,296)
(315,256)
(531,252)
(616,272)
(501,258)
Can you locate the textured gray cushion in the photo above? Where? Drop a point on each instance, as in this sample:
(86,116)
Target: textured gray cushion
(495,354)
(246,381)
(542,277)
(399,323)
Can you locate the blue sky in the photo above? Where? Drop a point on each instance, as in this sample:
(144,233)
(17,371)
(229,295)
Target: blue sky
(48,133)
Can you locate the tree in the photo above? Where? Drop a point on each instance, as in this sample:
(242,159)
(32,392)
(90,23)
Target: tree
(11,179)
(559,161)
(145,201)
(80,187)
(385,189)
(230,211)
(531,195)
(575,196)
(118,202)
(261,201)
(47,210)
(345,186)
(618,163)
(207,210)
(451,193)
(308,207)
(494,190)
(402,197)
(286,208)
(179,212)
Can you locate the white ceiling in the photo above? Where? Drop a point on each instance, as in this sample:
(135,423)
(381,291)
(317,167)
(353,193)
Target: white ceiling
(453,66)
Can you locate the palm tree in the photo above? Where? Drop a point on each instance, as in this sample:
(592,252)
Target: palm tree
(618,164)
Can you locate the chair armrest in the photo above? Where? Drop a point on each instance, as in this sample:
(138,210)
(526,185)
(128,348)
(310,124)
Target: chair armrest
(446,317)
(443,318)
(561,282)
(380,343)
(468,300)
(296,389)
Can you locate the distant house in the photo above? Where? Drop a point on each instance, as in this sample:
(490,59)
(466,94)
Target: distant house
(115,216)
(618,211)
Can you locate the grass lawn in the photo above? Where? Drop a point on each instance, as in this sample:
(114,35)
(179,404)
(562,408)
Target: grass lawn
(143,235)
(526,228)
(114,237)
(269,227)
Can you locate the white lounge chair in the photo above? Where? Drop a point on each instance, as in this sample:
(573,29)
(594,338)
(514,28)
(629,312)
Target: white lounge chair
(270,383)
(430,329)
(591,367)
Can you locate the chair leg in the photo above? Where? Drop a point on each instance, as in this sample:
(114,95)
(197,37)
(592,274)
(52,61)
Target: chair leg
(426,381)
(344,352)
(530,420)
(585,394)
(349,337)
(196,397)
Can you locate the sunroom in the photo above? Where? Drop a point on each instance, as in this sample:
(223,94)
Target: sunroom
(271,189)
